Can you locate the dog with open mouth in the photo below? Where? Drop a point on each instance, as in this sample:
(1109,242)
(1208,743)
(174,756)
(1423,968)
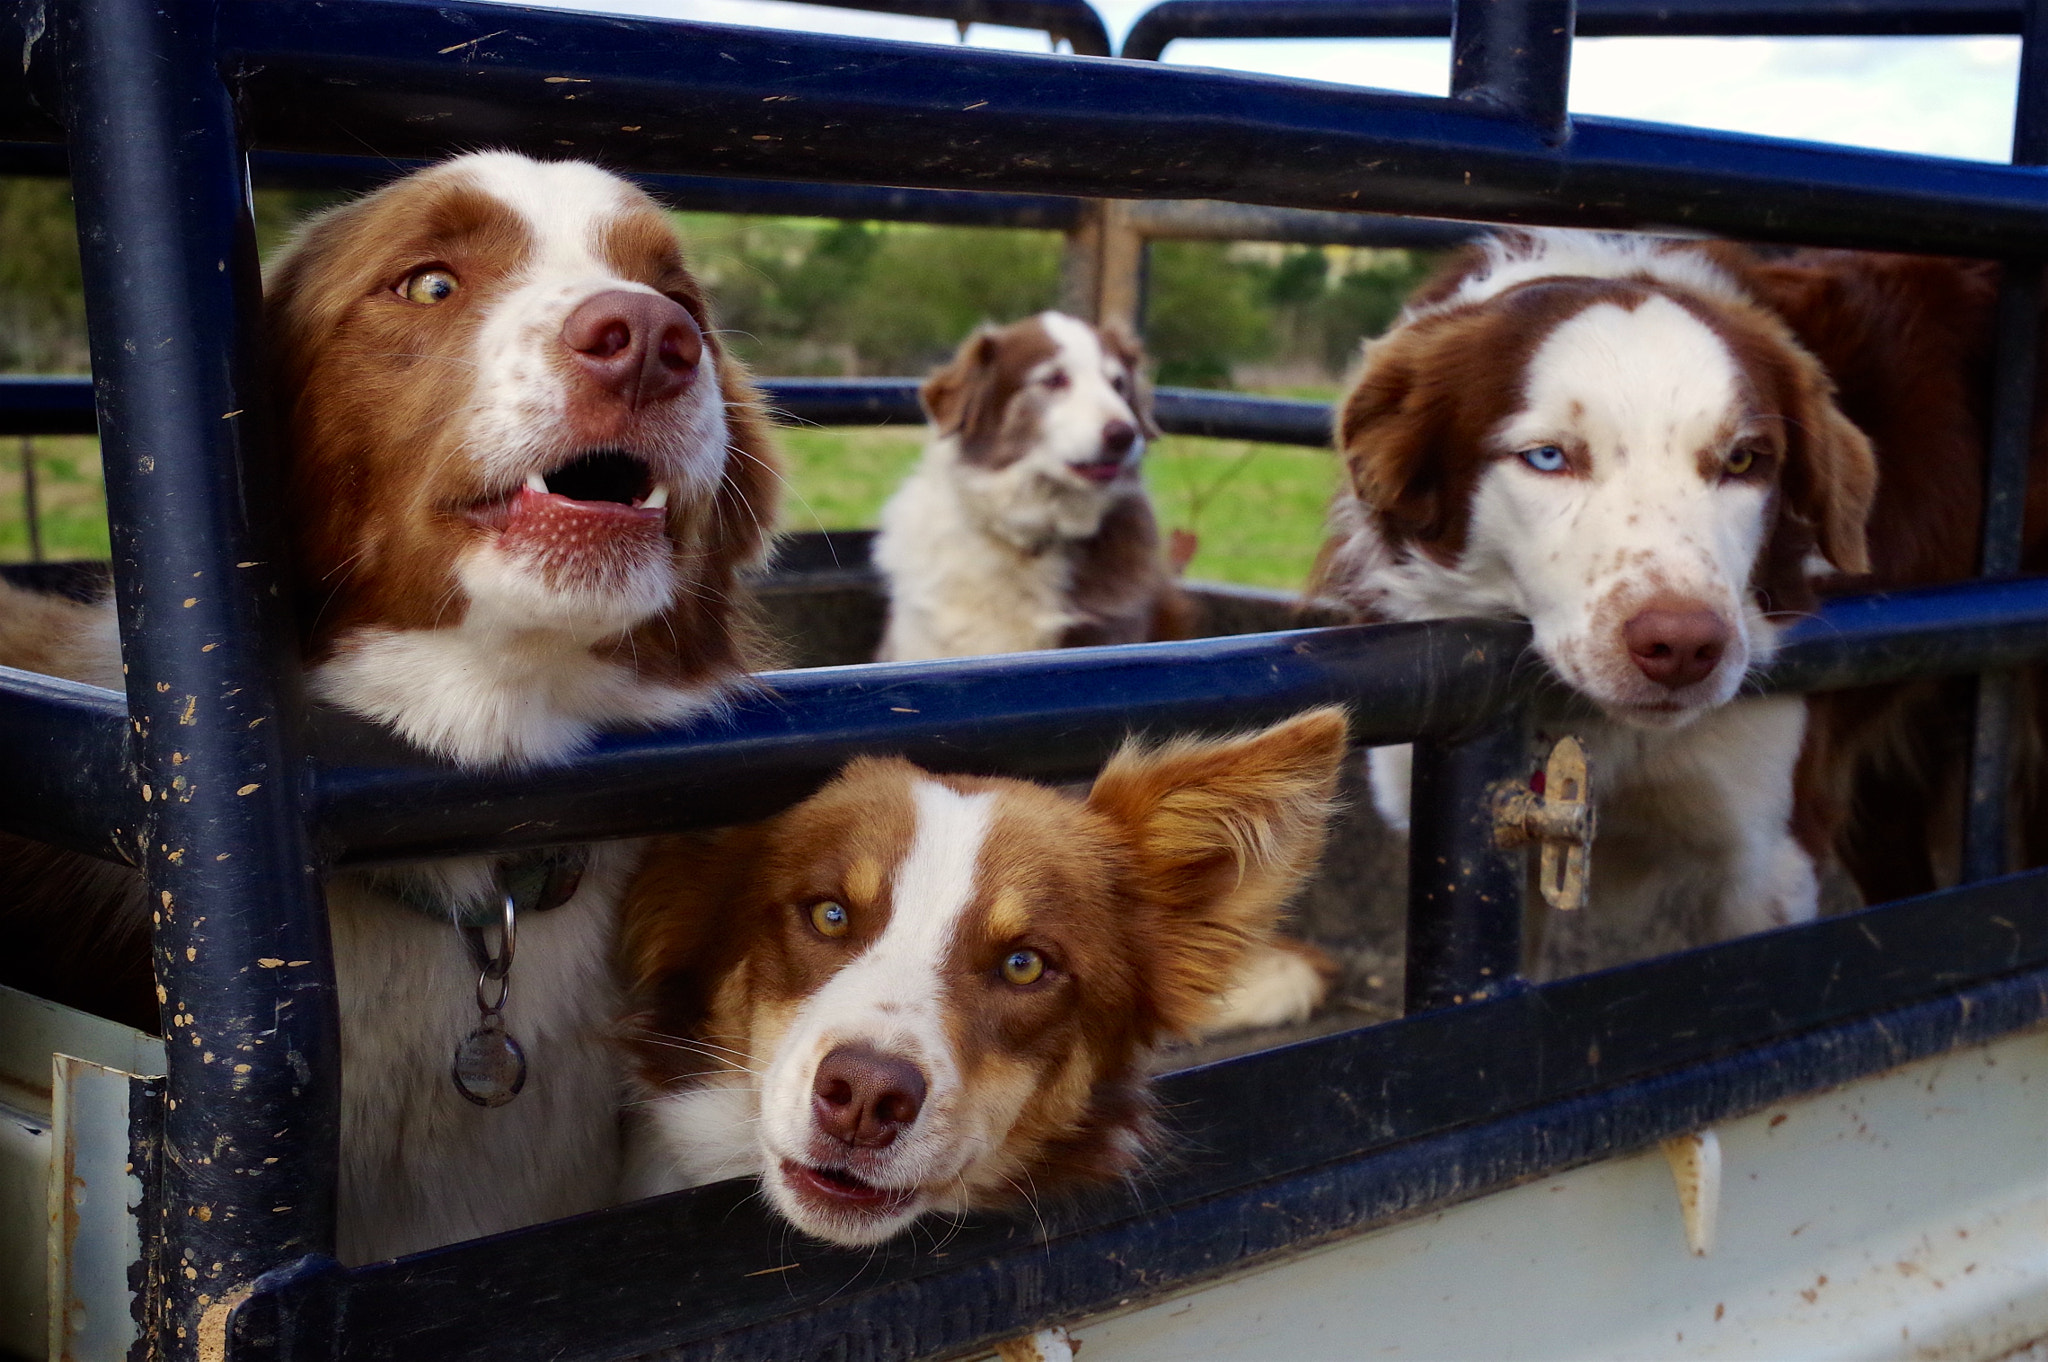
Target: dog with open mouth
(524,481)
(915,993)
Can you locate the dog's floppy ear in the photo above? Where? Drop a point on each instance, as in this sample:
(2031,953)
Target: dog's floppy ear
(1221,832)
(1394,430)
(1118,340)
(1830,477)
(949,395)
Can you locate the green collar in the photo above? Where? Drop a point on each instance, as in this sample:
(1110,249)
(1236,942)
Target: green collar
(536,880)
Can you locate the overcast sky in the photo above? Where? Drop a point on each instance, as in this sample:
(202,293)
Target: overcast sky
(1943,96)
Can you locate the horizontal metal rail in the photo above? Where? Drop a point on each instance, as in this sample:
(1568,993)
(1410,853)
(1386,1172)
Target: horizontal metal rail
(1164,219)
(61,404)
(1525,1082)
(1063,712)
(1175,19)
(689,193)
(1380,1123)
(408,80)
(1072,20)
(46,404)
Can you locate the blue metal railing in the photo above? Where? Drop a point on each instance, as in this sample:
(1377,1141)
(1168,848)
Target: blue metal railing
(162,102)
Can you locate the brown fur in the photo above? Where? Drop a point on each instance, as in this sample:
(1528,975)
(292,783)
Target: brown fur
(1907,341)
(363,381)
(372,427)
(1143,900)
(1416,427)
(1123,587)
(1879,366)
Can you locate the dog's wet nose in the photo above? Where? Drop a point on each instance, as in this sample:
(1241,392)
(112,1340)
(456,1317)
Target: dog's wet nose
(1676,643)
(641,346)
(1118,437)
(866,1098)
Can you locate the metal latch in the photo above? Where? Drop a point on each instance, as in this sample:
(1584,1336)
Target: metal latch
(1558,818)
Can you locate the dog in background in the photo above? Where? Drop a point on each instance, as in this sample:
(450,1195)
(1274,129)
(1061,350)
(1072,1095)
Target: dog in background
(524,482)
(1623,441)
(1026,526)
(915,993)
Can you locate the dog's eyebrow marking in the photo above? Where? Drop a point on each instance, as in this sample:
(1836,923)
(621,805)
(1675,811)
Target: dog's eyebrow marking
(863,881)
(1007,916)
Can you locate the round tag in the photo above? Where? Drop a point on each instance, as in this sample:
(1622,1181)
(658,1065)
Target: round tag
(489,1067)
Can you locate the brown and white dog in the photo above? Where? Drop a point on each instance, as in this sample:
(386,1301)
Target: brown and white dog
(1622,441)
(524,480)
(916,993)
(1026,525)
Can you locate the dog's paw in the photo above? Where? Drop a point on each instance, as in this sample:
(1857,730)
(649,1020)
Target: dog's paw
(1389,770)
(1281,983)
(1047,1345)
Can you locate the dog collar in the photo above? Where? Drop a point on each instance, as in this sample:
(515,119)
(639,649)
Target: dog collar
(535,881)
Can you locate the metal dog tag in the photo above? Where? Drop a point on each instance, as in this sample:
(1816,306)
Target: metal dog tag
(489,1067)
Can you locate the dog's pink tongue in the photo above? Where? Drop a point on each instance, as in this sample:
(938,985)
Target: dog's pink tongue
(542,522)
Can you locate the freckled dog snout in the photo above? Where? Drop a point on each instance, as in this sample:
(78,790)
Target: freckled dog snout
(1118,437)
(641,346)
(1676,643)
(866,1098)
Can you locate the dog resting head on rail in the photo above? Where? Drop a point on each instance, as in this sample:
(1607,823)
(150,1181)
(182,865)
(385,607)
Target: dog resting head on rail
(1611,438)
(1619,440)
(916,993)
(523,480)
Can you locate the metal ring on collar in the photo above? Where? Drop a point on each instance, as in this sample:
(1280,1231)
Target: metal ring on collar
(484,1004)
(499,965)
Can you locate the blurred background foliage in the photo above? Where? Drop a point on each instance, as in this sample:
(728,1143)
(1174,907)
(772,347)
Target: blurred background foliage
(861,298)
(802,296)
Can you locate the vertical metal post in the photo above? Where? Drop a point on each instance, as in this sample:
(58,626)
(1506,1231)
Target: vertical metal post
(1986,817)
(31,508)
(1516,55)
(1102,274)
(1464,892)
(243,968)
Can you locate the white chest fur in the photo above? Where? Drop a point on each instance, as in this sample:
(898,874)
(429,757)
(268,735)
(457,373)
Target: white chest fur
(421,1165)
(1694,836)
(955,588)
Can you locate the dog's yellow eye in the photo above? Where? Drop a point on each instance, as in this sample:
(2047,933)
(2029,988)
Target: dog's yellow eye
(830,918)
(1023,967)
(429,287)
(1741,461)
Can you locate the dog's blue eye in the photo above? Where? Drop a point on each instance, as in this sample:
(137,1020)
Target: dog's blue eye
(1545,459)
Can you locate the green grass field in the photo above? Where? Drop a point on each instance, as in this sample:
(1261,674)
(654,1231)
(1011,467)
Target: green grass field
(69,493)
(1257,509)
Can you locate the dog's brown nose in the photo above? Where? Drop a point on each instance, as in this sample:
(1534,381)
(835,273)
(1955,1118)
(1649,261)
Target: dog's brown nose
(865,1098)
(641,346)
(1118,436)
(1676,643)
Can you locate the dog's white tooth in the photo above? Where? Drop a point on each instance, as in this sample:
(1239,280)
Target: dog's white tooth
(656,499)
(536,483)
